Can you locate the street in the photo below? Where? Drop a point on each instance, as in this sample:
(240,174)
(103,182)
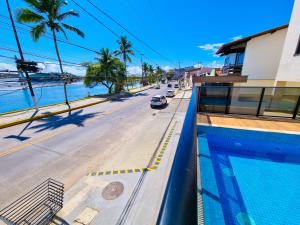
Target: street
(121,134)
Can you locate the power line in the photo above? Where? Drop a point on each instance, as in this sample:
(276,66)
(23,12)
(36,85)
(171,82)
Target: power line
(41,56)
(49,36)
(129,32)
(108,28)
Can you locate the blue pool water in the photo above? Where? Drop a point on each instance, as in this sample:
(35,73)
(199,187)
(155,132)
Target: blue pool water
(249,177)
(17,98)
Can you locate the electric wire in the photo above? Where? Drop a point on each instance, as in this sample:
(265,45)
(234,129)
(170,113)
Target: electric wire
(128,31)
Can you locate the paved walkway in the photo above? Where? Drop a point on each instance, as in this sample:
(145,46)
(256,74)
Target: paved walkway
(249,123)
(137,192)
(11,119)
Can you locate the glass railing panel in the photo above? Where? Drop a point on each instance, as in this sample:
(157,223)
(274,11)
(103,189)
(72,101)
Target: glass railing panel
(279,102)
(244,100)
(213,99)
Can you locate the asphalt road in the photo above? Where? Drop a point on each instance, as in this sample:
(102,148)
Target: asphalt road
(121,134)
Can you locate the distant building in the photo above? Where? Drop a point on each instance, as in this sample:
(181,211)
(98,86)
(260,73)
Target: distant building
(179,73)
(200,72)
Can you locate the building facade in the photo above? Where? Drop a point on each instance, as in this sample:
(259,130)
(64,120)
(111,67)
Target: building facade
(269,58)
(289,67)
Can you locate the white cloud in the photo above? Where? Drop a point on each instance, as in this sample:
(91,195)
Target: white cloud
(215,64)
(54,68)
(7,66)
(134,70)
(198,65)
(236,37)
(210,47)
(167,68)
(49,67)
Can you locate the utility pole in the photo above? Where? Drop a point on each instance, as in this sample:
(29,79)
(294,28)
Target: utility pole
(142,68)
(22,56)
(179,78)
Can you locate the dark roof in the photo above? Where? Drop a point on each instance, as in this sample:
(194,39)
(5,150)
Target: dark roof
(227,46)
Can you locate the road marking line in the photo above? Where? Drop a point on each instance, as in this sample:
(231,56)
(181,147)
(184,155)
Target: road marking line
(154,166)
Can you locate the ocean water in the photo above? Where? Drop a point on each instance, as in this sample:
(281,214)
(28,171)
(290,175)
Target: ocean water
(249,177)
(15,97)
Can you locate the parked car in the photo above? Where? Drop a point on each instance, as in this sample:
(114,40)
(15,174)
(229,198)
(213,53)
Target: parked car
(158,101)
(169,85)
(170,93)
(176,86)
(157,86)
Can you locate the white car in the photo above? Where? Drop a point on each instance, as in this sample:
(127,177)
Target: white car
(158,101)
(176,86)
(157,86)
(170,93)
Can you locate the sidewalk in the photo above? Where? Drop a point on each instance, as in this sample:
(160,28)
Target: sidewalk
(128,196)
(24,116)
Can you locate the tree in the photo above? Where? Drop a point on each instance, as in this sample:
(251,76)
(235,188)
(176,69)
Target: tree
(158,73)
(47,14)
(109,71)
(151,77)
(124,51)
(144,73)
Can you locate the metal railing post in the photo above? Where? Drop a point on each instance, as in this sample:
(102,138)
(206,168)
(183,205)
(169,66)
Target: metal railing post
(260,101)
(198,98)
(296,108)
(227,100)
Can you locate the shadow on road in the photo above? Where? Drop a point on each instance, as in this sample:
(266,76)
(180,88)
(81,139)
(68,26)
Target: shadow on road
(19,137)
(57,121)
(123,97)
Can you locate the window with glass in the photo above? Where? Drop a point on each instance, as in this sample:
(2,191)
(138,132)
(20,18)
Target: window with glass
(240,58)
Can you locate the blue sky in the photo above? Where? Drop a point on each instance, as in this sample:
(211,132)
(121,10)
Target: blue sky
(187,31)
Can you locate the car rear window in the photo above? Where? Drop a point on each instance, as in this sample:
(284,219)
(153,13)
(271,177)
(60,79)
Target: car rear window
(155,99)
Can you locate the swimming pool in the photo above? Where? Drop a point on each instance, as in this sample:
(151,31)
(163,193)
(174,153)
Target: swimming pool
(249,177)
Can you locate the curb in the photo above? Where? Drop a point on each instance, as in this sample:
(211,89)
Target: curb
(17,122)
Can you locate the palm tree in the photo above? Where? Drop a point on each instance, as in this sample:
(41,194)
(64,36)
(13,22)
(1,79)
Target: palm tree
(124,51)
(158,73)
(109,71)
(144,70)
(47,14)
(151,71)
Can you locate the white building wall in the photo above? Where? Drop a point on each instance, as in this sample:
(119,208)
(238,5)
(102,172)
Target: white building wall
(262,56)
(289,68)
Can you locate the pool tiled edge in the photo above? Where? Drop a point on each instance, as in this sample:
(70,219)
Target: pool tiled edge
(213,213)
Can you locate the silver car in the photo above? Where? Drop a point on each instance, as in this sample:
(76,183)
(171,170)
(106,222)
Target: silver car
(170,93)
(158,101)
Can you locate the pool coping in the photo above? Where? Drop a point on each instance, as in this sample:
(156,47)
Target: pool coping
(200,209)
(250,128)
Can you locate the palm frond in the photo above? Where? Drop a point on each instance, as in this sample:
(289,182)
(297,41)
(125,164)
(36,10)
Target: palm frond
(67,14)
(74,29)
(28,16)
(128,59)
(36,4)
(117,52)
(60,29)
(37,31)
